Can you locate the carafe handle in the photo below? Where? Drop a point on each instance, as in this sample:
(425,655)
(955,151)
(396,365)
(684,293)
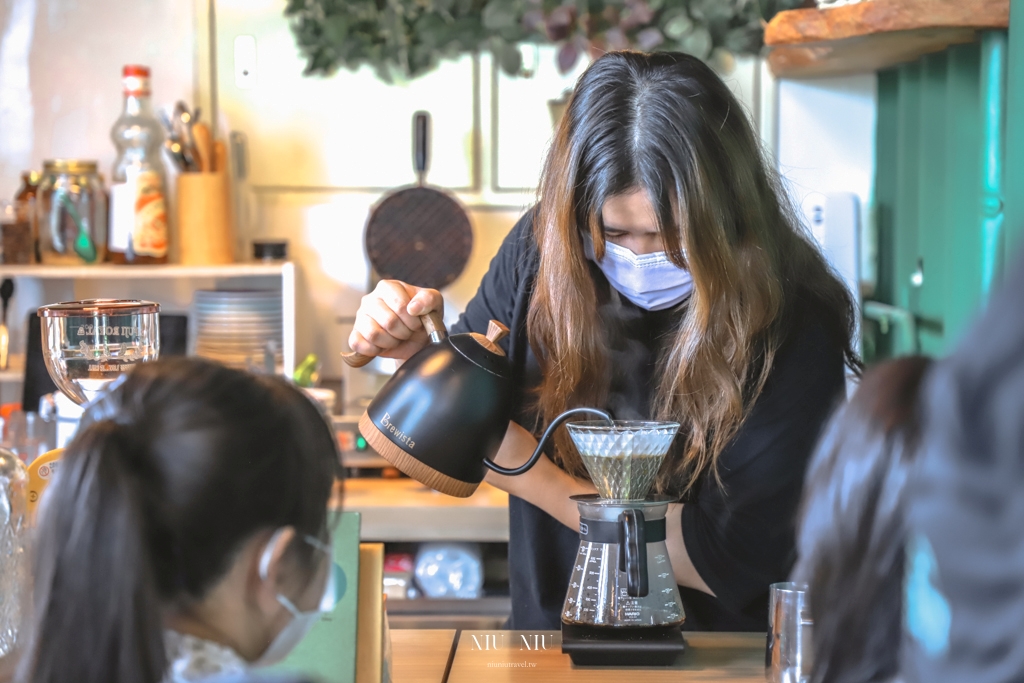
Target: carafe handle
(633,552)
(555,424)
(432,323)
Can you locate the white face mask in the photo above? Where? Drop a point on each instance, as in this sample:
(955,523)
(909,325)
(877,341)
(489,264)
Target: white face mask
(650,281)
(296,629)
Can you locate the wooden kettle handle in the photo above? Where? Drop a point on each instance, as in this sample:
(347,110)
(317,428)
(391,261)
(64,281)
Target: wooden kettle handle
(433,323)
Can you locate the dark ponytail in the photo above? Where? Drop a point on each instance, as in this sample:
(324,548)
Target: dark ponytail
(94,572)
(168,476)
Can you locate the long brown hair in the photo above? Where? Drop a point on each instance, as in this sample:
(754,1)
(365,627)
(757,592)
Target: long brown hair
(666,123)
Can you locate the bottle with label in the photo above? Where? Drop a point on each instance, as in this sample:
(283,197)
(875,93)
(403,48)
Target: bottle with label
(138,206)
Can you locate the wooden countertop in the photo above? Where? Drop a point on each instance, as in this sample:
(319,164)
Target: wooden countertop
(536,657)
(874,35)
(420,656)
(406,511)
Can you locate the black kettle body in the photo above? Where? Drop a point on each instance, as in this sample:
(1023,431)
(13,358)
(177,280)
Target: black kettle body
(442,416)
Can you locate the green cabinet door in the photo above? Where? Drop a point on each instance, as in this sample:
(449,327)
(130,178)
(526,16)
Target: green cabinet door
(937,189)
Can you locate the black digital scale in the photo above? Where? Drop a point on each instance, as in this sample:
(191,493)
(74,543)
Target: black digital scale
(633,646)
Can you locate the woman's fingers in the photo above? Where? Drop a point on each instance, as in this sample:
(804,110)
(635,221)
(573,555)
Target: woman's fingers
(423,301)
(387,322)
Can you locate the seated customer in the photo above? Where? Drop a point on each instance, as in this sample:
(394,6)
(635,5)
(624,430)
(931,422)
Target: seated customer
(186,532)
(965,552)
(851,535)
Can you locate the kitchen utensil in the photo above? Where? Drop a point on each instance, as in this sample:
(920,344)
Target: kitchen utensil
(14,538)
(419,234)
(177,154)
(183,120)
(6,292)
(623,606)
(442,416)
(788,654)
(623,458)
(88,344)
(220,157)
(204,147)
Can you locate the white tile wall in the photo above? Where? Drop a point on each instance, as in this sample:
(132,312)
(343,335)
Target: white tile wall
(60,74)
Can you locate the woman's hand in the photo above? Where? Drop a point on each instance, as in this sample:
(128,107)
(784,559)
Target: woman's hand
(549,487)
(544,485)
(682,565)
(387,322)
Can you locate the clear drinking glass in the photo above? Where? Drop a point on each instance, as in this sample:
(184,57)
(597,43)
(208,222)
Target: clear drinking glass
(88,344)
(788,655)
(623,457)
(14,571)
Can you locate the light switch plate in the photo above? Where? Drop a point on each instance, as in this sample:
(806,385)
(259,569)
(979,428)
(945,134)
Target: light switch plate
(245,62)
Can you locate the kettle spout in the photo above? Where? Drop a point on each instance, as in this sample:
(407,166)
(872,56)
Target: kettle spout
(548,433)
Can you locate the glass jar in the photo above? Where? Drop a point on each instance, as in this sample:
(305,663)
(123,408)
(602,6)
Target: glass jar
(72,211)
(25,204)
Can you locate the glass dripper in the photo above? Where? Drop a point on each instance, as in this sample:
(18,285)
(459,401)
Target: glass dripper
(88,344)
(623,456)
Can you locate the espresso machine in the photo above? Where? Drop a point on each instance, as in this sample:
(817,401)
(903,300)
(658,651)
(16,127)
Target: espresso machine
(623,606)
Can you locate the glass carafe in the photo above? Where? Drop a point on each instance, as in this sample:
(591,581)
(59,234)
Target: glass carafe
(622,576)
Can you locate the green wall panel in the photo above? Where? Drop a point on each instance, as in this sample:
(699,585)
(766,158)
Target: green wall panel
(933,168)
(1014,171)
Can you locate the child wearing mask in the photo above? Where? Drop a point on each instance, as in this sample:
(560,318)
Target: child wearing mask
(187,530)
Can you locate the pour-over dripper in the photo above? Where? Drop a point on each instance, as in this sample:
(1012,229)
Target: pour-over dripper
(88,344)
(624,456)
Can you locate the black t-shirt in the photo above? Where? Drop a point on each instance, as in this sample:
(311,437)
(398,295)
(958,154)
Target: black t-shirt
(740,536)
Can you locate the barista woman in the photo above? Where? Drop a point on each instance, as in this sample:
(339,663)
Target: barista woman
(661,275)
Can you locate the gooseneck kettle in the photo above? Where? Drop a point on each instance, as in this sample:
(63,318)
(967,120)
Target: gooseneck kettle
(442,416)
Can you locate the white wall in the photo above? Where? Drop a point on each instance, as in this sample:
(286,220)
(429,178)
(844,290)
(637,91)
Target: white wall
(60,74)
(60,90)
(826,144)
(323,150)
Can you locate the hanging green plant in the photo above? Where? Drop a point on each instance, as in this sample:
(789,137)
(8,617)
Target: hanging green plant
(403,39)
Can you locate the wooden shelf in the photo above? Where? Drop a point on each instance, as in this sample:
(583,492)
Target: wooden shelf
(874,34)
(109,271)
(284,271)
(407,511)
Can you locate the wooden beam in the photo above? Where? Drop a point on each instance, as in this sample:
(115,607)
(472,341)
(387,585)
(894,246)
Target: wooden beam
(874,34)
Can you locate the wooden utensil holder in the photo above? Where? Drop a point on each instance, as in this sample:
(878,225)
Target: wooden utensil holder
(205,230)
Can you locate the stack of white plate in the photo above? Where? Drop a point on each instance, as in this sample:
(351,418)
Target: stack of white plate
(241,329)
